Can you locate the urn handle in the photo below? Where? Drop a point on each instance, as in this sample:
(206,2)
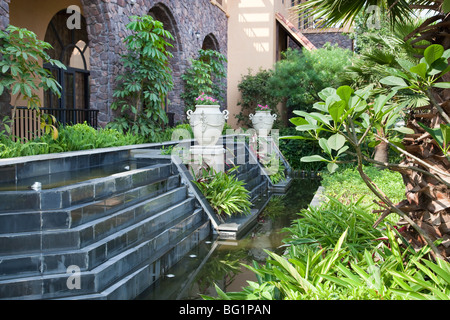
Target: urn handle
(274,117)
(226,114)
(251,115)
(189,114)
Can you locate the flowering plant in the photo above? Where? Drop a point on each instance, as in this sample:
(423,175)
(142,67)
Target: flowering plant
(262,108)
(204,99)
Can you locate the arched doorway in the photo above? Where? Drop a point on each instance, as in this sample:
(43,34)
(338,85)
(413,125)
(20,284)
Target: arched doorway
(210,43)
(71,47)
(173,104)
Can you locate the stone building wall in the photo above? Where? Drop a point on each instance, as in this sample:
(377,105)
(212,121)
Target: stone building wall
(106,27)
(320,38)
(4,21)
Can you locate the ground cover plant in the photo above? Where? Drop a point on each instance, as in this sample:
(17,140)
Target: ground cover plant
(224,192)
(70,138)
(333,253)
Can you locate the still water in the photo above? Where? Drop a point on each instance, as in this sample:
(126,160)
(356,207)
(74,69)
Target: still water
(219,261)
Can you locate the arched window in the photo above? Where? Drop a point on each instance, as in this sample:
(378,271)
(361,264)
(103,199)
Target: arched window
(71,47)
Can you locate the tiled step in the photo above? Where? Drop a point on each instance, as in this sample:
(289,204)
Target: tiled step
(30,221)
(80,193)
(135,283)
(88,233)
(109,273)
(93,255)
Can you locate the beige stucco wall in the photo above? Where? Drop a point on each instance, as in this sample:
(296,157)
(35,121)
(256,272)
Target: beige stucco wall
(252,42)
(35,16)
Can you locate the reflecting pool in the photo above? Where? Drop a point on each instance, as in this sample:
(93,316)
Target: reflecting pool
(219,262)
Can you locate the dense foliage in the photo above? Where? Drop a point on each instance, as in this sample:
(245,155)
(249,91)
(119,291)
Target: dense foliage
(70,138)
(205,75)
(255,90)
(21,58)
(300,76)
(146,79)
(225,193)
(333,253)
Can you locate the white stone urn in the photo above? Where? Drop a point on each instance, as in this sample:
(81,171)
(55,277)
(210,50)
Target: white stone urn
(207,123)
(263,120)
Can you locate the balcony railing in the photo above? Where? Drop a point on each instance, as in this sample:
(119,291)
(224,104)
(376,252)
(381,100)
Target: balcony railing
(27,123)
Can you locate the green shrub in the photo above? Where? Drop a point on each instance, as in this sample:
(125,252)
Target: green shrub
(225,193)
(71,138)
(378,270)
(300,76)
(206,74)
(255,90)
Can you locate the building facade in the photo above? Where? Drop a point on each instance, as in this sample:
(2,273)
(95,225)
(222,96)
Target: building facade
(98,42)
(251,33)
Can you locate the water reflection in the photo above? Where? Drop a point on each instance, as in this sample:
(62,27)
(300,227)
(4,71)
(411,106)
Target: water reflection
(220,262)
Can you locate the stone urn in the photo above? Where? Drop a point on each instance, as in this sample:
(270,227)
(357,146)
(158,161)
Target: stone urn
(263,120)
(207,123)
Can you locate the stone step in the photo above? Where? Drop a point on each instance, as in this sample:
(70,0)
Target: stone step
(84,192)
(19,222)
(109,273)
(88,233)
(95,254)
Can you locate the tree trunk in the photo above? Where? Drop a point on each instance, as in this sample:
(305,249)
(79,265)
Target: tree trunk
(428,199)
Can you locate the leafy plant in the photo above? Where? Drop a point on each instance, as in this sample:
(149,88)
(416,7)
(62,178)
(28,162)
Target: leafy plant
(255,90)
(350,119)
(22,55)
(300,76)
(147,78)
(205,74)
(225,193)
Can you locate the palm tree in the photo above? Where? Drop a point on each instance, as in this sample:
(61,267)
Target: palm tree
(427,199)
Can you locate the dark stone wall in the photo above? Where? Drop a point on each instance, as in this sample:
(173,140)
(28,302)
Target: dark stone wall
(106,27)
(4,98)
(319,39)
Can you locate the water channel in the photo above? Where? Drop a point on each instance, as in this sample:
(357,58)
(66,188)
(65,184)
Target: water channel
(217,261)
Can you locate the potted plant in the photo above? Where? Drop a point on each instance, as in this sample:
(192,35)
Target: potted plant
(263,119)
(207,121)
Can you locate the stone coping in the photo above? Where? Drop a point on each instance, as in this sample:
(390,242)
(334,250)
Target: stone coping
(53,156)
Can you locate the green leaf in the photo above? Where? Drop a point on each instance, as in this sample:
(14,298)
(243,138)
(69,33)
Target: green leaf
(436,133)
(446,6)
(314,158)
(336,110)
(332,167)
(324,145)
(420,69)
(345,92)
(445,129)
(307,127)
(442,85)
(336,141)
(394,81)
(432,53)
(404,130)
(327,92)
(298,121)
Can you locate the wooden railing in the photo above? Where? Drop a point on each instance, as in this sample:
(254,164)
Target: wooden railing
(27,123)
